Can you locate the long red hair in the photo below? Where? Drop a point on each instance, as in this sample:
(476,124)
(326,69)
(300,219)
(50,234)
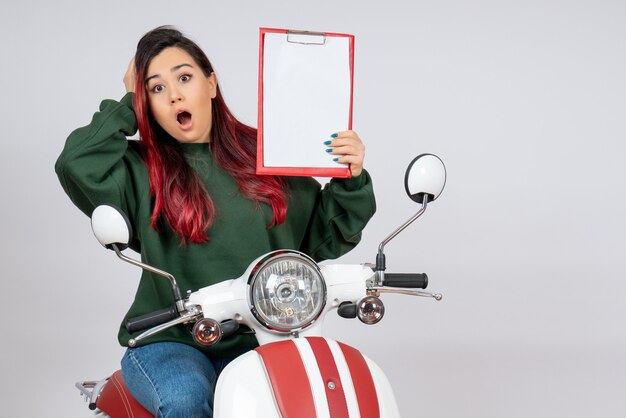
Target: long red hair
(179,195)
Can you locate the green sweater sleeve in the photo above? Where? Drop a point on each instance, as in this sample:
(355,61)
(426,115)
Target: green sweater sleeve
(93,166)
(342,210)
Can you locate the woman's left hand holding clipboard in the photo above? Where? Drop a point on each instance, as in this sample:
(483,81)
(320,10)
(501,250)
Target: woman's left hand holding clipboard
(348,149)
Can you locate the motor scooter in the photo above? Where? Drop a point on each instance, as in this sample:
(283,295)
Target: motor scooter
(283,297)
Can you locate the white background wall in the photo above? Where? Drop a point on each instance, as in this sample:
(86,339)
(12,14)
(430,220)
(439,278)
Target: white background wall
(523,100)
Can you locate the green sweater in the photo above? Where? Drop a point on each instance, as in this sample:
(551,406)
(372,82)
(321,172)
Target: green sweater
(100,165)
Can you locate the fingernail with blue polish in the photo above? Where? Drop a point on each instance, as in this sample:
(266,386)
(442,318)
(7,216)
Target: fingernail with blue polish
(336,159)
(329,150)
(334,135)
(327,142)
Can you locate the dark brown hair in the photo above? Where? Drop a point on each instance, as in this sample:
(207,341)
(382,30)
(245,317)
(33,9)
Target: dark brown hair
(179,194)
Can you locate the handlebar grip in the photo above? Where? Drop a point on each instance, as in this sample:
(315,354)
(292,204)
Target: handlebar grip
(406,280)
(151,319)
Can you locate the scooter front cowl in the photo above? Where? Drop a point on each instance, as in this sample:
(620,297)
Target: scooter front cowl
(302,378)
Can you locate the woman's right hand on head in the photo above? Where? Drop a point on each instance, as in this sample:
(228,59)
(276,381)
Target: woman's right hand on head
(130,77)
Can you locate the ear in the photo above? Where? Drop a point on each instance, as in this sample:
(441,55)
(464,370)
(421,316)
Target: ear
(212,85)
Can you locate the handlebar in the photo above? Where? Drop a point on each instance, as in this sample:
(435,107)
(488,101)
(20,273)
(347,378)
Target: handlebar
(151,319)
(170,314)
(406,280)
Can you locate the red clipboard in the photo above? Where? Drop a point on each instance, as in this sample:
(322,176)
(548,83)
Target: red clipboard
(272,124)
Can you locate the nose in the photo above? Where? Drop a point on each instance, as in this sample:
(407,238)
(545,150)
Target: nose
(175,95)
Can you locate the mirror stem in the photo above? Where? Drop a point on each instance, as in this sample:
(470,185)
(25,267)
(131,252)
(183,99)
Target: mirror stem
(380,257)
(381,247)
(175,289)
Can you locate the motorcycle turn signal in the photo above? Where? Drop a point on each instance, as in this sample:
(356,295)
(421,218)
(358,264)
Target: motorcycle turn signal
(207,332)
(370,310)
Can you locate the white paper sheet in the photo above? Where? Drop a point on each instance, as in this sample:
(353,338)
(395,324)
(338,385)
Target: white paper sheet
(306,98)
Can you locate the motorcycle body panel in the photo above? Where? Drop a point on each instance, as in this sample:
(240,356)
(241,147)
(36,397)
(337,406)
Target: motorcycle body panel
(230,299)
(242,390)
(270,382)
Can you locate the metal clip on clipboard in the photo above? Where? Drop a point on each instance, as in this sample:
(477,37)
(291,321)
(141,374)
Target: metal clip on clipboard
(306,37)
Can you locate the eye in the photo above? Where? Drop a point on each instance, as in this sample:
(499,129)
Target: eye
(185,77)
(157,88)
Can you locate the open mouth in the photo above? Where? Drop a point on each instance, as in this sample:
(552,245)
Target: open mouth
(184,119)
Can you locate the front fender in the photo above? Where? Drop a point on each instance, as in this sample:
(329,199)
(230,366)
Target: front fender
(302,378)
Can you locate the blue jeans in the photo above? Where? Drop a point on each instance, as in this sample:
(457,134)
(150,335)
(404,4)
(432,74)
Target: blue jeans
(172,380)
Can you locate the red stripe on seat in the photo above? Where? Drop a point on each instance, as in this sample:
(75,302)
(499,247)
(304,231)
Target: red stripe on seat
(121,394)
(328,369)
(116,400)
(363,382)
(289,380)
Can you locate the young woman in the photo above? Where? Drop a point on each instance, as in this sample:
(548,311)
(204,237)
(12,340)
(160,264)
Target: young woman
(197,208)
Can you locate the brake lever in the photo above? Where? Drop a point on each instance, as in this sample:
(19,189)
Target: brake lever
(191,315)
(376,291)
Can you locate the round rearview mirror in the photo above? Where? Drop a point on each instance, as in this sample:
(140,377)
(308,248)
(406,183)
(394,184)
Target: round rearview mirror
(425,176)
(111,226)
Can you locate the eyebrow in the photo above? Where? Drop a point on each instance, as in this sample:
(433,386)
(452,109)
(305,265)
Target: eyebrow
(173,69)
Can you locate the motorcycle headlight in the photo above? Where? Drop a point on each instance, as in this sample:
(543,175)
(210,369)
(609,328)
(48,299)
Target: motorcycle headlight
(287,291)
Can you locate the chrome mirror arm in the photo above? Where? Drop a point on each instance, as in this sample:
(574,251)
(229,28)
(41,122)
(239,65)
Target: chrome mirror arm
(380,257)
(180,305)
(381,247)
